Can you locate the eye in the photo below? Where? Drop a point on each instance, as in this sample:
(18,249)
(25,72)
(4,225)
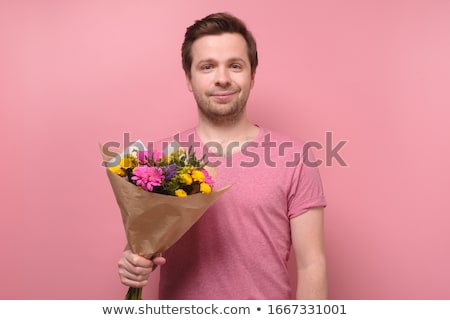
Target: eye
(236,66)
(206,67)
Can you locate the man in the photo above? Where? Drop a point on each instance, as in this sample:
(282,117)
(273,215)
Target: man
(240,247)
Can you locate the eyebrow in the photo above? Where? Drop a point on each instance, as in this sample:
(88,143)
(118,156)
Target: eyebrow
(229,60)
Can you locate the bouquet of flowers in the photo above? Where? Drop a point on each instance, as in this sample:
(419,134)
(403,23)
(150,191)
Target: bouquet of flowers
(160,197)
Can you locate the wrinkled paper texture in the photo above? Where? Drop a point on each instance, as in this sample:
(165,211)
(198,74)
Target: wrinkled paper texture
(154,222)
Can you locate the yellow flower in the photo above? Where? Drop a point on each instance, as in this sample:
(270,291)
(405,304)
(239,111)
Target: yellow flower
(118,170)
(197,175)
(186,178)
(180,193)
(128,161)
(187,169)
(205,188)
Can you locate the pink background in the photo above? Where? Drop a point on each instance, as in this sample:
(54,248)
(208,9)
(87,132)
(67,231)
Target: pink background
(374,73)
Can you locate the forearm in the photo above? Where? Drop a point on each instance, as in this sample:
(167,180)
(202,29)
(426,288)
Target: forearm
(312,282)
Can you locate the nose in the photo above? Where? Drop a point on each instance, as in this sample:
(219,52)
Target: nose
(222,77)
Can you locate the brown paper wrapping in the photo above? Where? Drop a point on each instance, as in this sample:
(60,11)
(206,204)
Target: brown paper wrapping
(154,222)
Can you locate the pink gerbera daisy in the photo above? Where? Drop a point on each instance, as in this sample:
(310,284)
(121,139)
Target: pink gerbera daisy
(208,178)
(147,177)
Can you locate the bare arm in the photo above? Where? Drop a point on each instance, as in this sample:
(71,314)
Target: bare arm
(309,248)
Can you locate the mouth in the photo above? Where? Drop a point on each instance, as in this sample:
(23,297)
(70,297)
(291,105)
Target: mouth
(223,96)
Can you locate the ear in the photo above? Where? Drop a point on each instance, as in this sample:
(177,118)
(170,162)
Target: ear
(252,80)
(188,82)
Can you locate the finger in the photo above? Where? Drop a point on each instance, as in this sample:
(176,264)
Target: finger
(134,284)
(131,275)
(159,261)
(129,270)
(138,261)
(139,271)
(125,274)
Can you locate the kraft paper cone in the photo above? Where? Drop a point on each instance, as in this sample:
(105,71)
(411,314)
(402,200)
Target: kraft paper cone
(154,222)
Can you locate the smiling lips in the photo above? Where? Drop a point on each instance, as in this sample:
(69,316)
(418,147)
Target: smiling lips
(224,96)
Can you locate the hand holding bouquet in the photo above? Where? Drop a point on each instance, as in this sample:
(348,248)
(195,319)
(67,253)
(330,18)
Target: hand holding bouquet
(160,197)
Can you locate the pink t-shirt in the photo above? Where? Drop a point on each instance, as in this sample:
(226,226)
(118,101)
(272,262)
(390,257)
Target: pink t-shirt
(240,247)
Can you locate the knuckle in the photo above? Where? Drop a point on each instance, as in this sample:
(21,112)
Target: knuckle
(134,260)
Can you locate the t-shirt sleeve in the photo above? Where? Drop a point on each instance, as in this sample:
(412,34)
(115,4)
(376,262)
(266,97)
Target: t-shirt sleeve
(306,189)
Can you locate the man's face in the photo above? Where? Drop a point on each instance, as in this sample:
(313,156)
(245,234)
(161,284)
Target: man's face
(221,77)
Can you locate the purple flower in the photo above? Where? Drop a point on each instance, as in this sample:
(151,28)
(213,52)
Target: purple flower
(147,177)
(170,172)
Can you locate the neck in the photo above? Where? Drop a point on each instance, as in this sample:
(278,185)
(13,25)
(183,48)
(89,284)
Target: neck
(237,131)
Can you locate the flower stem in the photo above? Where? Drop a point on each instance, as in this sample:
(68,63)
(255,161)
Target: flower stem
(134,294)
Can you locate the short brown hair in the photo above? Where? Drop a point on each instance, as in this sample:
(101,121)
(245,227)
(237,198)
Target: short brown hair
(216,24)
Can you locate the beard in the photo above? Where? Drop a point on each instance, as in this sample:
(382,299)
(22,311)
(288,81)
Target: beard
(221,113)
